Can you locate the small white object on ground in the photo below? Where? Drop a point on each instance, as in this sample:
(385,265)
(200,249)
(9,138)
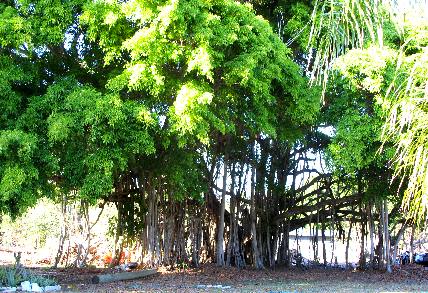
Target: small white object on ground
(7,289)
(52,288)
(213,286)
(26,286)
(36,288)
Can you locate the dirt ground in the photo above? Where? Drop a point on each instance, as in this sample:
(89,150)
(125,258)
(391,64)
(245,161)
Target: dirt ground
(209,278)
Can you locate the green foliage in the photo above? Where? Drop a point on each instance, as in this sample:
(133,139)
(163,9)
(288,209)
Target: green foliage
(13,276)
(356,107)
(217,59)
(95,136)
(42,281)
(407,127)
(297,28)
(9,277)
(383,79)
(369,71)
(18,174)
(93,91)
(14,31)
(352,145)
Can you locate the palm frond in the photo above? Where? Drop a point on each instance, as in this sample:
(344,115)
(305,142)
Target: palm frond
(407,125)
(337,27)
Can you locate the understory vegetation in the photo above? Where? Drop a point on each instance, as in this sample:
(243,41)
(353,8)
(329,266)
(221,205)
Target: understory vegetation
(215,131)
(12,277)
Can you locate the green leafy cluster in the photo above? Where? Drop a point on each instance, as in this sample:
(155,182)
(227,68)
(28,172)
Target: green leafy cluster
(357,94)
(376,100)
(12,276)
(212,64)
(95,91)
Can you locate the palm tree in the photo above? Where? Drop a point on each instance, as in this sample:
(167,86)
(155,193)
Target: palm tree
(342,25)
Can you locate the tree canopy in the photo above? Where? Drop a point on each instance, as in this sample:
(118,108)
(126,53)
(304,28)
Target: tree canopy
(168,108)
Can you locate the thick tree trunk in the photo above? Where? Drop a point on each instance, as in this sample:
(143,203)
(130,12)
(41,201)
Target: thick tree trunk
(151,224)
(371,228)
(118,243)
(347,245)
(362,261)
(239,243)
(257,262)
(196,237)
(324,252)
(412,249)
(230,242)
(379,248)
(181,237)
(169,232)
(386,237)
(211,214)
(83,228)
(274,248)
(85,211)
(268,248)
(283,251)
(234,250)
(232,217)
(397,241)
(64,232)
(220,235)
(316,241)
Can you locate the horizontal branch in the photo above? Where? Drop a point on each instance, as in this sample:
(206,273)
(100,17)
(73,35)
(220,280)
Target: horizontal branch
(307,209)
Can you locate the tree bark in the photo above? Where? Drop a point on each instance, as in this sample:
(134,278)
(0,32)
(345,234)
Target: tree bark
(399,235)
(257,262)
(380,246)
(196,228)
(64,232)
(220,235)
(347,245)
(316,240)
(386,237)
(412,249)
(324,252)
(122,276)
(371,228)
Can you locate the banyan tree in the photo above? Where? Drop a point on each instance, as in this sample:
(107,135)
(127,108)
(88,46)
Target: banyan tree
(199,122)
